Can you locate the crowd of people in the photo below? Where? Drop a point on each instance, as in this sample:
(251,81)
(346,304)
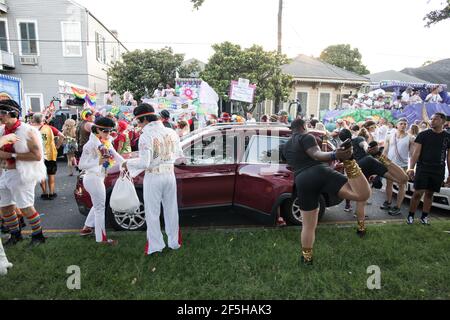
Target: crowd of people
(369,150)
(380,99)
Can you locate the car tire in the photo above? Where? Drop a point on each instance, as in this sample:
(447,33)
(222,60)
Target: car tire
(126,221)
(291,211)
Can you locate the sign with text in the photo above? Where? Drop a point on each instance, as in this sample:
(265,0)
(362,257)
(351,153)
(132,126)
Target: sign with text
(242,90)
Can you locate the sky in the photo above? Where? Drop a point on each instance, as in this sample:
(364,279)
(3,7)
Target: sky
(390,34)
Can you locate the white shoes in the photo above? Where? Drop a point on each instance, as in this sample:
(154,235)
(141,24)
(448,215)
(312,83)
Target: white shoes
(4,266)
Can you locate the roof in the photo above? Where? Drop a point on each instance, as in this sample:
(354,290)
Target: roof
(437,72)
(395,76)
(311,69)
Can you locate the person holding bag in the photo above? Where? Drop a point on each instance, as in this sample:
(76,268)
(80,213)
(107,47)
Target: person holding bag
(97,157)
(159,148)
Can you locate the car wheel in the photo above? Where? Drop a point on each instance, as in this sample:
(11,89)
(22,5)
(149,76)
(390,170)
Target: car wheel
(123,221)
(291,211)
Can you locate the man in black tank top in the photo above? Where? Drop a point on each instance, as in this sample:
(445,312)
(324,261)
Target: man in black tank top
(313,177)
(430,154)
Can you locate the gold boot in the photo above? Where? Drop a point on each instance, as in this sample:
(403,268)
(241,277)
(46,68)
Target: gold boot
(352,169)
(361,229)
(307,256)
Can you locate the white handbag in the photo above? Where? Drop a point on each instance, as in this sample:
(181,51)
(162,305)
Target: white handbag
(124,197)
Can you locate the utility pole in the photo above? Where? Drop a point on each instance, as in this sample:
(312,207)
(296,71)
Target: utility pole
(280,24)
(277,101)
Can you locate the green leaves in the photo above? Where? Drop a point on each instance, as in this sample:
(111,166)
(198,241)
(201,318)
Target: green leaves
(343,56)
(146,69)
(437,15)
(262,68)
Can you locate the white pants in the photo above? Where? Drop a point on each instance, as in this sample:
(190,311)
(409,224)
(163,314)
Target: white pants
(161,188)
(95,185)
(4,263)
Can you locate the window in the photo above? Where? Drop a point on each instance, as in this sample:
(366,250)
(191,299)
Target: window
(28,38)
(303,98)
(4,45)
(100,46)
(212,150)
(265,150)
(71,37)
(324,101)
(35,102)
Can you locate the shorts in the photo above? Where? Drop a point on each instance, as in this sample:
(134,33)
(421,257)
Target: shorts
(429,180)
(372,167)
(52,167)
(315,181)
(12,192)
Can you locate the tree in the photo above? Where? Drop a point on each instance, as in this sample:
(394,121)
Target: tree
(145,69)
(231,62)
(426,63)
(343,56)
(438,15)
(197,3)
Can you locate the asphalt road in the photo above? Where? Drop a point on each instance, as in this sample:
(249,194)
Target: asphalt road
(62,213)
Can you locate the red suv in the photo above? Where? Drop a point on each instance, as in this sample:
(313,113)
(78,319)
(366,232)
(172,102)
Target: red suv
(225,165)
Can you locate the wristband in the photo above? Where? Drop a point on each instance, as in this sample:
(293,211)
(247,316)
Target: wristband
(333,156)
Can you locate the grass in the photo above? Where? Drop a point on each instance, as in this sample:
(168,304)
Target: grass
(240,264)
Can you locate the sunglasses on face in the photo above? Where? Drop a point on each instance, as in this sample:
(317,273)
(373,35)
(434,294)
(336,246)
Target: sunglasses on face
(106,130)
(4,112)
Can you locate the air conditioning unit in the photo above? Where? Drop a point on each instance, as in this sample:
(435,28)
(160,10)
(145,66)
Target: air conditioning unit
(29,60)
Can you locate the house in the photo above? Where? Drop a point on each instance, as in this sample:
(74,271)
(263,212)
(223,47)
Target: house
(320,86)
(48,41)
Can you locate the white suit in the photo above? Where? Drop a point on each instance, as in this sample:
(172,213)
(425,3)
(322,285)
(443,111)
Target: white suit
(159,147)
(94,183)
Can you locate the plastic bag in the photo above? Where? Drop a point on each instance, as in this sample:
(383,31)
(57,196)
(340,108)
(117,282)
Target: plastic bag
(124,197)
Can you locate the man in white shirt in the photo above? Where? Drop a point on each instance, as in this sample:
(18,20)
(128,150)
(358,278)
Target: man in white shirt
(434,96)
(159,147)
(406,96)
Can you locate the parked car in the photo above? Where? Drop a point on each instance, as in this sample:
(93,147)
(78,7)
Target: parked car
(225,165)
(440,200)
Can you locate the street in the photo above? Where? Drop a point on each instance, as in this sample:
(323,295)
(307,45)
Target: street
(62,215)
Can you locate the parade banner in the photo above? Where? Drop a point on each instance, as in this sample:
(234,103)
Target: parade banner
(10,88)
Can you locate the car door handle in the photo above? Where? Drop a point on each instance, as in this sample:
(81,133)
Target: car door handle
(281,175)
(224,170)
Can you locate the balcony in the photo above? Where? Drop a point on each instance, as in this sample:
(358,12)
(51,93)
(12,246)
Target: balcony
(6,60)
(3,6)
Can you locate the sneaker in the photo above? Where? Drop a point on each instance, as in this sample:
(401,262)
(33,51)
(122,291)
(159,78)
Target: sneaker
(110,242)
(37,240)
(14,239)
(386,206)
(86,231)
(395,211)
(281,222)
(348,209)
(52,196)
(4,229)
(425,221)
(410,220)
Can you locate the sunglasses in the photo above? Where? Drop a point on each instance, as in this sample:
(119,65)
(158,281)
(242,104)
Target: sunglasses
(4,112)
(105,130)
